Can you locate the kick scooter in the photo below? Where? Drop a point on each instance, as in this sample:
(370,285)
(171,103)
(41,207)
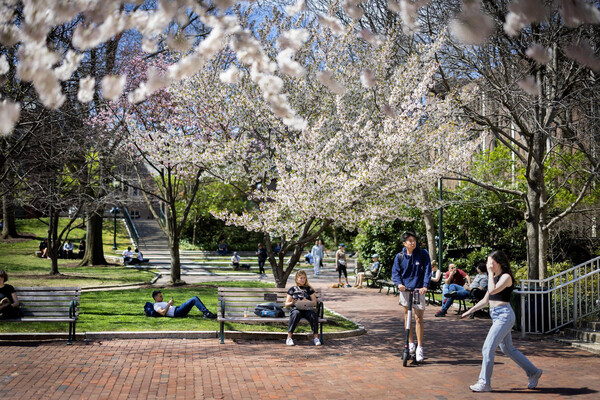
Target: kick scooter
(406,353)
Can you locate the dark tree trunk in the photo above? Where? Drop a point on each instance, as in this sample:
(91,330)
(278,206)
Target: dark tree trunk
(9,227)
(53,241)
(94,252)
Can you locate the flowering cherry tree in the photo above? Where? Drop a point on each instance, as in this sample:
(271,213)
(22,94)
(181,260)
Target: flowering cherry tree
(371,134)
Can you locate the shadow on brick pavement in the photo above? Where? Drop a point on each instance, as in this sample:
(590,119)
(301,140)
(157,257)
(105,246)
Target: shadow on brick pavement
(350,368)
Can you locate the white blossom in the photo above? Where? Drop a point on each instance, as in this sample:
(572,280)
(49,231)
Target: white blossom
(86,89)
(332,23)
(328,80)
(292,39)
(351,8)
(4,67)
(583,54)
(288,65)
(69,65)
(472,26)
(179,43)
(9,115)
(113,86)
(149,45)
(370,37)
(296,8)
(539,53)
(529,85)
(367,78)
(577,12)
(232,75)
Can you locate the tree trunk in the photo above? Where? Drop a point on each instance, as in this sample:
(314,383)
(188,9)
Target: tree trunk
(53,242)
(430,229)
(94,251)
(534,213)
(175,260)
(9,227)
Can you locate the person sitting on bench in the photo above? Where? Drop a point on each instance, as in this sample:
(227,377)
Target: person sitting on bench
(168,309)
(9,302)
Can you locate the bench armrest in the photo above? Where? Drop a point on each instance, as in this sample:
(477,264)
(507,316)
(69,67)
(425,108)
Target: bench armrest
(72,308)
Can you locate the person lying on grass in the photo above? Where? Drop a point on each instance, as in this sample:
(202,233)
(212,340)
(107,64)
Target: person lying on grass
(168,309)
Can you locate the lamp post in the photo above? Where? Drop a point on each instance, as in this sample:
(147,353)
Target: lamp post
(441,229)
(114,211)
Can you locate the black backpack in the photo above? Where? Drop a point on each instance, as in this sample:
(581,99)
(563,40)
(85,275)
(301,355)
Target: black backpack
(150,311)
(269,310)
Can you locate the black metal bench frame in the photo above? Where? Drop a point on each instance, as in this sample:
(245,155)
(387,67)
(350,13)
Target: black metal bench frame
(49,304)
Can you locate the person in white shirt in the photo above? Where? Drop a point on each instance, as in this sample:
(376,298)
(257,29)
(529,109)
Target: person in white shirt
(317,256)
(127,255)
(68,249)
(235,261)
(169,309)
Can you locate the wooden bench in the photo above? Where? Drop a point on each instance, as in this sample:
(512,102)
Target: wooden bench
(49,304)
(387,284)
(374,278)
(236,304)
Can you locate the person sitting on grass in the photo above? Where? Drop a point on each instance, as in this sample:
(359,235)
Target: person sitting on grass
(235,261)
(168,309)
(127,256)
(302,291)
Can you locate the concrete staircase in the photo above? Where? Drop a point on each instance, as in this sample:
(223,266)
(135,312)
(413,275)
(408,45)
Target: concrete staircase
(155,246)
(586,337)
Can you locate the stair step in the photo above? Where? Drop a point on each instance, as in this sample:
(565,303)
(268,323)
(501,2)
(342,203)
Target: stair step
(591,325)
(580,344)
(583,334)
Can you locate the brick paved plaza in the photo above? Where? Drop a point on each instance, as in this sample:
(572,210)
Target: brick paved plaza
(367,366)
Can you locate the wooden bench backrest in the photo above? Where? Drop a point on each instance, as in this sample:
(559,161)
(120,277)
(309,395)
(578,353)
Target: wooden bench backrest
(47,301)
(238,300)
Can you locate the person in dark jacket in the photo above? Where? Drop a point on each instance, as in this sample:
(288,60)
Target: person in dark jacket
(262,257)
(412,270)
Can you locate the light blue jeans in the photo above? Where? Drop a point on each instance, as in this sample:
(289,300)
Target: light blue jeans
(503,319)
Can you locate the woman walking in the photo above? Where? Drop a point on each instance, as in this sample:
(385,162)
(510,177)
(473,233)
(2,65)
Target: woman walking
(500,286)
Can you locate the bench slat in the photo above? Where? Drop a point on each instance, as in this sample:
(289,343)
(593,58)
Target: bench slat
(46,288)
(260,320)
(33,319)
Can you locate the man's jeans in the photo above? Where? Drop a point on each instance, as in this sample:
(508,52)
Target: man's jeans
(184,309)
(461,293)
(503,319)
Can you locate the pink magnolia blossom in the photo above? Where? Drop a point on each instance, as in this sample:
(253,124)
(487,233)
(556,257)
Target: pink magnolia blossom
(539,53)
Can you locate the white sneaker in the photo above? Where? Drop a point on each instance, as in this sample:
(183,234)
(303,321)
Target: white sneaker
(533,379)
(420,354)
(317,342)
(411,348)
(289,341)
(480,386)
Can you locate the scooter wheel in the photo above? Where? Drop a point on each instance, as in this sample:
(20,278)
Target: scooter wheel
(405,357)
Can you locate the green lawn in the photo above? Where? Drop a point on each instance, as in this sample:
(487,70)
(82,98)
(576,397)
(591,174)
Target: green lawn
(122,310)
(17,258)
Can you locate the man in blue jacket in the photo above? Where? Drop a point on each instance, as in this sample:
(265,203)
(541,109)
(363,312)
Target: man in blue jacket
(412,270)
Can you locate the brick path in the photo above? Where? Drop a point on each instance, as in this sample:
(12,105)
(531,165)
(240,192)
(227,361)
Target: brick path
(359,367)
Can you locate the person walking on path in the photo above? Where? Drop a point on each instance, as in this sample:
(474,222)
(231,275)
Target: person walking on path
(262,257)
(340,264)
(317,255)
(500,286)
(412,270)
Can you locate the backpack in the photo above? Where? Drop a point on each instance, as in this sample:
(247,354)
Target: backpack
(269,310)
(150,311)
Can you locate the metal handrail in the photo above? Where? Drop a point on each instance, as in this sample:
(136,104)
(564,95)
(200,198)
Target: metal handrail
(132,230)
(563,299)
